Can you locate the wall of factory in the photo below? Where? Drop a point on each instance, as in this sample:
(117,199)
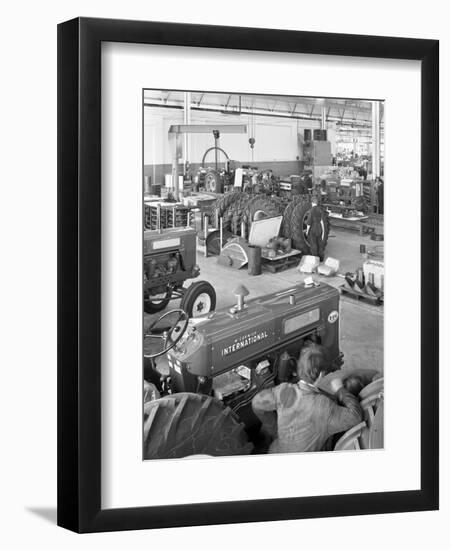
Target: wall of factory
(278,141)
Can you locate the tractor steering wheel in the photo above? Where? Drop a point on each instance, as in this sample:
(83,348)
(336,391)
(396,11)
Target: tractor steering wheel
(176,328)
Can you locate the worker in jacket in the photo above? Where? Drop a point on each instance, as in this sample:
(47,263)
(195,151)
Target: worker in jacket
(380,196)
(315,230)
(300,417)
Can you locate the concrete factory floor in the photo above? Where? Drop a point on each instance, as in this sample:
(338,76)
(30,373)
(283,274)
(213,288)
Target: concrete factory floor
(361,323)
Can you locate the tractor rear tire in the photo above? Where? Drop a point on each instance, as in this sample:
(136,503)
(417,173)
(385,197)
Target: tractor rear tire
(287,215)
(298,227)
(223,203)
(235,212)
(267,206)
(187,424)
(198,299)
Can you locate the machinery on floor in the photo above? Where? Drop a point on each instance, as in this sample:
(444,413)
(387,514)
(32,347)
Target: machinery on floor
(239,210)
(212,179)
(367,282)
(169,261)
(218,362)
(347,193)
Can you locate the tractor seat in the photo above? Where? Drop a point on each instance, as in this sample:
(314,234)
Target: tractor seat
(350,440)
(375,387)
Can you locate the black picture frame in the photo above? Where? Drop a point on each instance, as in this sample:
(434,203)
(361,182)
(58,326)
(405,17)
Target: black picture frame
(79,274)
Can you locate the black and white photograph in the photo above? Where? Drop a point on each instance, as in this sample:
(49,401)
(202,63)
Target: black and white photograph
(225,265)
(263,269)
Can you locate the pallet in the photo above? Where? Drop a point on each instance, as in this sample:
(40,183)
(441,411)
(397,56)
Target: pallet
(351,224)
(371,299)
(276,265)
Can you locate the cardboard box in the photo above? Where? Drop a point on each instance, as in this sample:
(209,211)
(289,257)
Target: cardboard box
(376,268)
(308,264)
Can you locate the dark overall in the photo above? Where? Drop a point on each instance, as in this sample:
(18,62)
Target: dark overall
(315,240)
(380,197)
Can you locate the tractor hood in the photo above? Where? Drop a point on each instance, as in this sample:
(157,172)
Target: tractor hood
(227,338)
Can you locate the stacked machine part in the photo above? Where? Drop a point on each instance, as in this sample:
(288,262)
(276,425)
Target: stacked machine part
(170,216)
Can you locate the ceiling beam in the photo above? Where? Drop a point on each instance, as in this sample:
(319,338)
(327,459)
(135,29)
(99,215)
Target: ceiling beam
(207,128)
(298,115)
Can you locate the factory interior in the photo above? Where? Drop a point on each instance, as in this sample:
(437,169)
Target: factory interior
(258,208)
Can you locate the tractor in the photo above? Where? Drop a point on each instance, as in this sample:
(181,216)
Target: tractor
(344,195)
(202,373)
(169,260)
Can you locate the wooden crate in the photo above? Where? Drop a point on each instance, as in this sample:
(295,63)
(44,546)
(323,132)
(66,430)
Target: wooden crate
(281,262)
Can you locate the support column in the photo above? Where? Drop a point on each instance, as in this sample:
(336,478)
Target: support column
(176,153)
(375,139)
(187,120)
(323,121)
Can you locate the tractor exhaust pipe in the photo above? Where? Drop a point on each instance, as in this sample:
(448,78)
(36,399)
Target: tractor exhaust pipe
(240,292)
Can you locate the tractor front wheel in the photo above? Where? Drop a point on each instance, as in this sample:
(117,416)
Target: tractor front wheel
(187,424)
(213,182)
(199,299)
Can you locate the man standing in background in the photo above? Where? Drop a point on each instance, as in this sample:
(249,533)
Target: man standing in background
(315,229)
